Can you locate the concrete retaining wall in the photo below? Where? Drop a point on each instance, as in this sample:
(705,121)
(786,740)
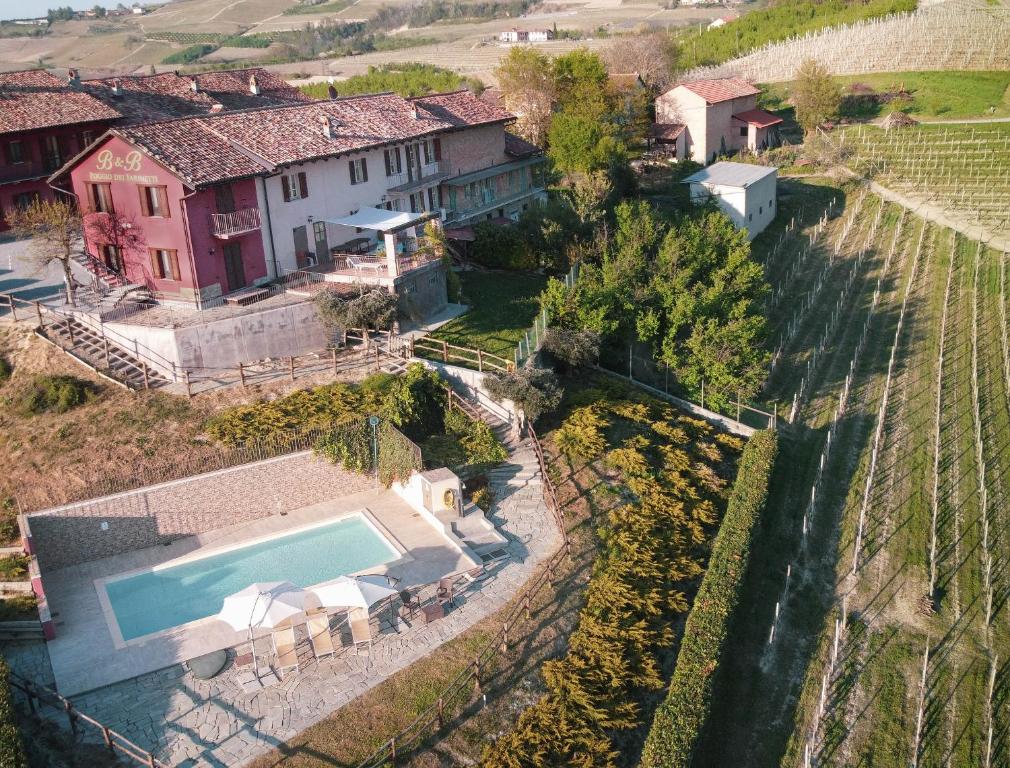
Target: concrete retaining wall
(471,383)
(158,514)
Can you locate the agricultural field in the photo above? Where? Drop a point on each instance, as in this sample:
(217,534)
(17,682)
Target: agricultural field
(876,604)
(951,35)
(962,169)
(923,95)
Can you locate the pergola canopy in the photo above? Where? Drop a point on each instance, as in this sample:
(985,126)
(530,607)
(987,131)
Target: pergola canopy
(381,220)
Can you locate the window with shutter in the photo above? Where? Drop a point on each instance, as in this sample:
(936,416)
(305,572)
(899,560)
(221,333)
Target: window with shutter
(154,201)
(303,185)
(364,169)
(425,145)
(437,146)
(286,186)
(165,263)
(100,197)
(389,165)
(15,152)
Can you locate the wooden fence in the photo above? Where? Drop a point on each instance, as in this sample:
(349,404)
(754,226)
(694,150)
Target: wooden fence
(468,356)
(39,696)
(469,683)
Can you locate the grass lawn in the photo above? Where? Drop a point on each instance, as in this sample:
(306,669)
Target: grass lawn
(936,95)
(502,307)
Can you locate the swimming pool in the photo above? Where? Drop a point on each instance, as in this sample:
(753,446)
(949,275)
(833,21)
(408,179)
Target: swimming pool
(170,595)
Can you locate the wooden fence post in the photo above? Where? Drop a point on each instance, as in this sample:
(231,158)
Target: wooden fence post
(108,739)
(476,674)
(150,761)
(392,750)
(70,330)
(333,357)
(189,387)
(505,638)
(241,373)
(441,713)
(108,359)
(14,312)
(147,378)
(291,367)
(70,716)
(480,360)
(445,351)
(738,406)
(526,605)
(38,310)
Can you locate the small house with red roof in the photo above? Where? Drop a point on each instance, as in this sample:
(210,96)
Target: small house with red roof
(709,118)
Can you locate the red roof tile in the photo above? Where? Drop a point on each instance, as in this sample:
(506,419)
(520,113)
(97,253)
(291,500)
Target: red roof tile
(36,99)
(758,117)
(169,95)
(209,149)
(724,89)
(666,131)
(516,146)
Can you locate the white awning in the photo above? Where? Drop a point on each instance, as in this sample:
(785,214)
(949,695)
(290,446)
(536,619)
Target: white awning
(381,220)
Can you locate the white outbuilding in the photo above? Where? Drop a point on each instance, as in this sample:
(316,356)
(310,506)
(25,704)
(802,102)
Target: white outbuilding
(746,193)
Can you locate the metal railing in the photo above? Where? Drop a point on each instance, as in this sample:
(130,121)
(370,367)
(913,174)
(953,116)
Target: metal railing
(40,696)
(429,171)
(226,225)
(534,337)
(32,169)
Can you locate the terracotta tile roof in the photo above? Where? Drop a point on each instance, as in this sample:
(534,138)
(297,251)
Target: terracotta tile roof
(758,117)
(36,99)
(197,155)
(516,146)
(169,95)
(463,109)
(666,131)
(724,89)
(209,149)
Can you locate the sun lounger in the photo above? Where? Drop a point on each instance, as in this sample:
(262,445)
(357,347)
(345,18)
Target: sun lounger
(361,631)
(284,648)
(360,262)
(318,625)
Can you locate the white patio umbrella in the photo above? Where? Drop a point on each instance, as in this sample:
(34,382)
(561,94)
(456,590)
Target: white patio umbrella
(263,604)
(353,592)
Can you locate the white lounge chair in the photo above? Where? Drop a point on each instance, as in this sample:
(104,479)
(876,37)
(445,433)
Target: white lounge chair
(361,630)
(361,262)
(284,648)
(318,625)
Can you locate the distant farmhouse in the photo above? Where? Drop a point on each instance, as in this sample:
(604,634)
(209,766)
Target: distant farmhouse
(745,192)
(703,119)
(526,36)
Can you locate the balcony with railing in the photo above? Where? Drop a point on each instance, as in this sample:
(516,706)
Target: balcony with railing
(418,176)
(35,169)
(235,224)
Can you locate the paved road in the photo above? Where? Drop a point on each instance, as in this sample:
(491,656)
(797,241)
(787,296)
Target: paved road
(21,278)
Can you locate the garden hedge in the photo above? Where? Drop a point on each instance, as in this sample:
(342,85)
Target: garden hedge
(678,721)
(12,754)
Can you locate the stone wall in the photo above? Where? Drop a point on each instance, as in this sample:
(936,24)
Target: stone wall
(159,514)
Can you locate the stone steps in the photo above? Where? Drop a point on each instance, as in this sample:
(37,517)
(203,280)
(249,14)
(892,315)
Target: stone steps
(85,343)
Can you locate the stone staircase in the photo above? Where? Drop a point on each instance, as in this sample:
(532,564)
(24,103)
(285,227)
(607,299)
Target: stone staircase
(95,350)
(99,270)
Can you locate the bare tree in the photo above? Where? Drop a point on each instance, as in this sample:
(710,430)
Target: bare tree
(651,55)
(528,90)
(54,228)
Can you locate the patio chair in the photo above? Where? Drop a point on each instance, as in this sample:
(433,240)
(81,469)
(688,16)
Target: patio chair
(284,648)
(360,262)
(361,630)
(318,626)
(411,602)
(446,593)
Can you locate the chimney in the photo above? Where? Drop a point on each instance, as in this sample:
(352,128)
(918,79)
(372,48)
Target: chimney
(331,91)
(194,84)
(330,125)
(117,88)
(73,78)
(215,108)
(254,86)
(413,111)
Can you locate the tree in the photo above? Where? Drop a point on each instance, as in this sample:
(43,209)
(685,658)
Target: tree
(580,78)
(650,55)
(816,96)
(586,194)
(99,12)
(579,142)
(573,349)
(372,310)
(534,390)
(54,228)
(528,90)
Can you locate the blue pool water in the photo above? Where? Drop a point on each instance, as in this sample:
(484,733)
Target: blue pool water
(157,600)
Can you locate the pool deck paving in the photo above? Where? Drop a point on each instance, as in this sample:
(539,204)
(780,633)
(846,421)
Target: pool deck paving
(190,722)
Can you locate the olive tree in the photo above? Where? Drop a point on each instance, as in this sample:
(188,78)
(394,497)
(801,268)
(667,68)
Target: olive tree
(371,310)
(54,228)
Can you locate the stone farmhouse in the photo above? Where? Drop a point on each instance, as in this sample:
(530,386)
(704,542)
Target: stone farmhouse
(45,119)
(703,119)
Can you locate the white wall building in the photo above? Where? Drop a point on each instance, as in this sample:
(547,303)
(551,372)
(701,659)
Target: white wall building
(719,116)
(746,193)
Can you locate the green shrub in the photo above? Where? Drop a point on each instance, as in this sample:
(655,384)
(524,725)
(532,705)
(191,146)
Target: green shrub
(54,394)
(679,719)
(501,247)
(13,567)
(416,402)
(483,497)
(12,754)
(18,607)
(349,446)
(580,436)
(5,369)
(190,54)
(534,390)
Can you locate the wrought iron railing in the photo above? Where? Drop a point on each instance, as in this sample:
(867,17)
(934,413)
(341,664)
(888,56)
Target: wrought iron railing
(235,223)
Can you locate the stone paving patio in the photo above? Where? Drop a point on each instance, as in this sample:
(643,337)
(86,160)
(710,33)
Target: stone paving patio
(189,722)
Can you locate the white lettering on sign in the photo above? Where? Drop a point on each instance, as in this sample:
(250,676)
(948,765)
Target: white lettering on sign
(107,160)
(130,177)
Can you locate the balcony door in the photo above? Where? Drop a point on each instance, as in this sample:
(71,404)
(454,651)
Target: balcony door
(233,267)
(52,156)
(322,246)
